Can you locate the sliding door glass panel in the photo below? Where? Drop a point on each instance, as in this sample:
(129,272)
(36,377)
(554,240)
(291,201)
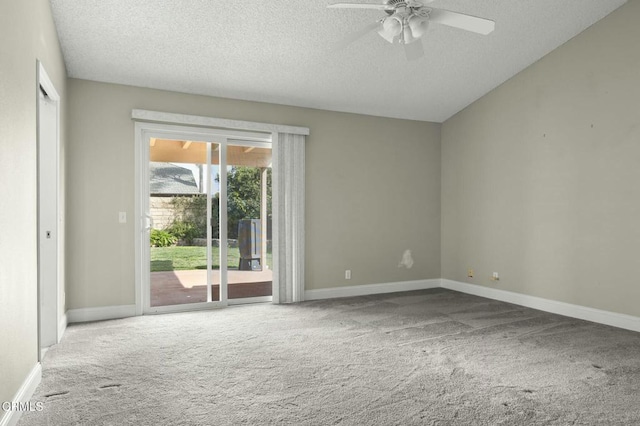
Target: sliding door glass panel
(248,221)
(178,209)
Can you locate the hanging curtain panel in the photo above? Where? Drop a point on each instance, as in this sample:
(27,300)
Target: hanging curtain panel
(288,211)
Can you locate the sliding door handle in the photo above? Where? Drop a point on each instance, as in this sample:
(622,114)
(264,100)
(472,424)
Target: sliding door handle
(148,222)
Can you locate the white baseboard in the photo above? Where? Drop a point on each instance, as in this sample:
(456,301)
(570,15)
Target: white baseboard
(62,326)
(24,394)
(363,290)
(627,322)
(575,311)
(100,313)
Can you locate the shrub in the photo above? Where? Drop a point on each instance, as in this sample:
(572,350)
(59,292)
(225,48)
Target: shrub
(182,230)
(160,238)
(190,211)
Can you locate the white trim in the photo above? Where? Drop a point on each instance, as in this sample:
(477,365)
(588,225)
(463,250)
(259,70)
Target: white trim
(197,120)
(101,313)
(24,394)
(614,319)
(46,83)
(208,189)
(62,326)
(201,134)
(141,155)
(223,231)
(367,289)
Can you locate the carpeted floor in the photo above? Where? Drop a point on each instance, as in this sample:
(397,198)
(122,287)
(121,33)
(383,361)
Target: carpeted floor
(433,357)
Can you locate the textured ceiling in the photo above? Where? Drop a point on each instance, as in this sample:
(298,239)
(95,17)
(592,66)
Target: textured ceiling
(283,51)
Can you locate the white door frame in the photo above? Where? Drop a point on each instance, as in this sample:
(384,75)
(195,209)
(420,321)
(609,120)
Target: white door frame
(143,132)
(50,291)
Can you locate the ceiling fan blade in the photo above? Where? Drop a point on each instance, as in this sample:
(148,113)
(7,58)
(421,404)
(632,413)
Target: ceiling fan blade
(414,50)
(359,6)
(356,35)
(462,21)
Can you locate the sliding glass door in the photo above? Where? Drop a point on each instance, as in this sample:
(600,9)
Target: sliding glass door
(181,198)
(248,192)
(208,222)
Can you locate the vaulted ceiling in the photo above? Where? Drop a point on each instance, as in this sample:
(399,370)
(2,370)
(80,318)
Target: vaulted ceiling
(284,52)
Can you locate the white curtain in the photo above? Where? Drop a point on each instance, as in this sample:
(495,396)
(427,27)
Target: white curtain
(288,217)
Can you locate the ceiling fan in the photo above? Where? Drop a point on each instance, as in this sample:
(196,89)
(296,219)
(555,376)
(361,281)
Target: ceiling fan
(407,21)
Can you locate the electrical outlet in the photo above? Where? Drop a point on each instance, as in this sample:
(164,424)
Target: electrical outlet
(495,277)
(347,274)
(470,273)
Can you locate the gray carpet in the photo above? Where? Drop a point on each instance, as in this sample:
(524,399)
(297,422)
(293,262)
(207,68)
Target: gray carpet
(432,357)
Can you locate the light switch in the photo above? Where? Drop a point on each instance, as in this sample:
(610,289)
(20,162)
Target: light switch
(122,217)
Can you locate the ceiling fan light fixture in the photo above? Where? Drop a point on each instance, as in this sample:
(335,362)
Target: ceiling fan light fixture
(418,26)
(391,28)
(407,35)
(407,21)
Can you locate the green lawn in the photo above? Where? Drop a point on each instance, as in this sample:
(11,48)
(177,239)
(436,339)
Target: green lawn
(179,258)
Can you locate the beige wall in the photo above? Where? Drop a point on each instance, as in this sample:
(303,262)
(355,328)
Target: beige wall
(541,177)
(26,34)
(373,190)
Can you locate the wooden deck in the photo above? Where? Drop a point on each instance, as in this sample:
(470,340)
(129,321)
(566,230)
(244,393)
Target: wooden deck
(180,287)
